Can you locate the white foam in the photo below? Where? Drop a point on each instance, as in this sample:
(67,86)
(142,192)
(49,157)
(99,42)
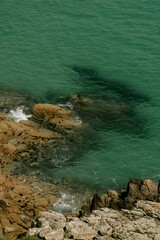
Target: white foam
(64,105)
(19,114)
(78,121)
(67,203)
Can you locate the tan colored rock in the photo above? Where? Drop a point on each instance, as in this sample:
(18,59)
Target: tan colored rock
(139,236)
(151,208)
(157,237)
(103,224)
(80,230)
(144,189)
(149,188)
(55,220)
(18,138)
(113,194)
(49,111)
(59,118)
(99,201)
(52,235)
(18,203)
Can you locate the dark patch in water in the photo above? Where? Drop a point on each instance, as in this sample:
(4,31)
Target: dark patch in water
(104,84)
(109,90)
(113,109)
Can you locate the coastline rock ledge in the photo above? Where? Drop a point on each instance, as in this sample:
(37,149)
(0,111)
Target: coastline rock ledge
(101,222)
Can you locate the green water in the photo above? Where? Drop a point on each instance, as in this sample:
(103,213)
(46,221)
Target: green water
(42,41)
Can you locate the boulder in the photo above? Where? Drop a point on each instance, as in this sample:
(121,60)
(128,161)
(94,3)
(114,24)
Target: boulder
(78,229)
(99,201)
(58,118)
(144,189)
(49,111)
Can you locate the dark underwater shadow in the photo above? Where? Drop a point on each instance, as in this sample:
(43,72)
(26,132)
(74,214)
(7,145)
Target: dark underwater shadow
(106,94)
(112,92)
(104,86)
(104,105)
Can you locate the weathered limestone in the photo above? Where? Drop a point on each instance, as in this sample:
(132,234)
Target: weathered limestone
(103,224)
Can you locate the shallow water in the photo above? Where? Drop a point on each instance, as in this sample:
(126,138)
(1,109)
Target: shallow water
(104,49)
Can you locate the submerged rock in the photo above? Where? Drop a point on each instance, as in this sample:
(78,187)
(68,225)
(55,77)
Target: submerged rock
(108,114)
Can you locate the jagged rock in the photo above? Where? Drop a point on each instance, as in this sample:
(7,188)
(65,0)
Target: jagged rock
(142,189)
(18,138)
(53,235)
(113,197)
(113,194)
(99,201)
(138,189)
(157,237)
(55,220)
(79,230)
(150,208)
(18,203)
(105,224)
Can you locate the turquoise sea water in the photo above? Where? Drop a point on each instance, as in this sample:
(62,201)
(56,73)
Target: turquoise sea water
(44,42)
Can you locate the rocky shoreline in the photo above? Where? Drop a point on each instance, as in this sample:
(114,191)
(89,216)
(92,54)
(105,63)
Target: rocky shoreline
(52,130)
(25,212)
(134,214)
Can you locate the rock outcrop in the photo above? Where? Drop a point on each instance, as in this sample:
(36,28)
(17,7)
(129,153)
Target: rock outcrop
(21,200)
(107,216)
(19,139)
(137,189)
(26,140)
(53,130)
(60,119)
(103,224)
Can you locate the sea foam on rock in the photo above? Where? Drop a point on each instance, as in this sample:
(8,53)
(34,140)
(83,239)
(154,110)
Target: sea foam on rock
(18,114)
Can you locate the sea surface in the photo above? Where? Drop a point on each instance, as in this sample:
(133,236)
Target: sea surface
(105,49)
